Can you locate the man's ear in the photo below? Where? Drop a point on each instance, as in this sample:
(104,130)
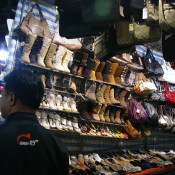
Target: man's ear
(12,99)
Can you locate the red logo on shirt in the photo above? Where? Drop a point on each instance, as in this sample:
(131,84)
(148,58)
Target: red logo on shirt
(28,136)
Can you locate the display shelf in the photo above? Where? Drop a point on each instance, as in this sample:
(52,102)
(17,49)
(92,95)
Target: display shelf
(50,70)
(100,122)
(54,110)
(62,92)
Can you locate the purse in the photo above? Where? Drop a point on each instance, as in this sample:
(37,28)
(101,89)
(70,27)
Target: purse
(168,92)
(99,12)
(32,25)
(152,12)
(137,113)
(167,15)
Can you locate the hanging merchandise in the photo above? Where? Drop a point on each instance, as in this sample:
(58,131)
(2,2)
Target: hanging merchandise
(32,25)
(152,66)
(100,12)
(152,12)
(137,112)
(167,15)
(168,92)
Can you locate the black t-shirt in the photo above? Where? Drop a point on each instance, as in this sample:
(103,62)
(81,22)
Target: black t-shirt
(28,148)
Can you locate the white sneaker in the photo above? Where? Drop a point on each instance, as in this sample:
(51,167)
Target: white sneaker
(38,114)
(69,125)
(45,103)
(44,120)
(58,122)
(65,104)
(73,105)
(64,123)
(51,101)
(52,120)
(75,126)
(59,102)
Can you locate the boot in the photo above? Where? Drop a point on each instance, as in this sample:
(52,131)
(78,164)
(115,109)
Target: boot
(95,112)
(122,98)
(111,72)
(83,105)
(118,73)
(106,115)
(111,115)
(48,60)
(87,70)
(101,113)
(94,68)
(99,70)
(66,60)
(90,93)
(43,52)
(112,97)
(78,56)
(117,116)
(30,39)
(58,58)
(43,79)
(105,71)
(82,64)
(107,94)
(36,49)
(99,94)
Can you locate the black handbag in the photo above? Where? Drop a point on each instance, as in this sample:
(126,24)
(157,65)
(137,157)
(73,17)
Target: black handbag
(151,111)
(100,12)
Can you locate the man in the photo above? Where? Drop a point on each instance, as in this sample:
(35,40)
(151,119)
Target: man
(25,146)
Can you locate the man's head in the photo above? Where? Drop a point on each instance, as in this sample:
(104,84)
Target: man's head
(23,92)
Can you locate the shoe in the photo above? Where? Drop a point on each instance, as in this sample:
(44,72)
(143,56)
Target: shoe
(105,71)
(45,103)
(82,64)
(77,57)
(122,98)
(30,39)
(118,74)
(98,73)
(51,120)
(57,121)
(43,79)
(100,92)
(51,101)
(66,59)
(93,69)
(38,114)
(111,72)
(75,125)
(44,120)
(59,102)
(59,57)
(112,115)
(87,70)
(106,115)
(48,60)
(43,52)
(117,116)
(101,113)
(90,93)
(69,125)
(112,97)
(73,105)
(84,108)
(107,94)
(66,106)
(64,123)
(95,112)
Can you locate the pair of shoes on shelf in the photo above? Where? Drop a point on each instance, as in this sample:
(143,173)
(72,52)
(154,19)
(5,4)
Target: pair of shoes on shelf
(56,102)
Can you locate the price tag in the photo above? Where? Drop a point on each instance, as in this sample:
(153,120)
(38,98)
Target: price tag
(138,111)
(145,13)
(131,27)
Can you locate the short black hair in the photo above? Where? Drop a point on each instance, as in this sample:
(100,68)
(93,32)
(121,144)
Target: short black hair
(26,84)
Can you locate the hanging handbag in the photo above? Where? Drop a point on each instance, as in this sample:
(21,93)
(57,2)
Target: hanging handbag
(143,33)
(152,112)
(30,24)
(152,12)
(167,15)
(99,12)
(168,92)
(137,113)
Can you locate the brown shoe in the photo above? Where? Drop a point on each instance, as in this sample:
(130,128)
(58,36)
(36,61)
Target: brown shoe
(117,116)
(112,97)
(107,94)
(82,64)
(94,68)
(101,113)
(111,72)
(106,70)
(84,108)
(96,111)
(99,70)
(112,115)
(106,115)
(122,98)
(100,92)
(118,74)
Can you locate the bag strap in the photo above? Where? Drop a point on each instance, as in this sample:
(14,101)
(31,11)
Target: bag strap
(39,9)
